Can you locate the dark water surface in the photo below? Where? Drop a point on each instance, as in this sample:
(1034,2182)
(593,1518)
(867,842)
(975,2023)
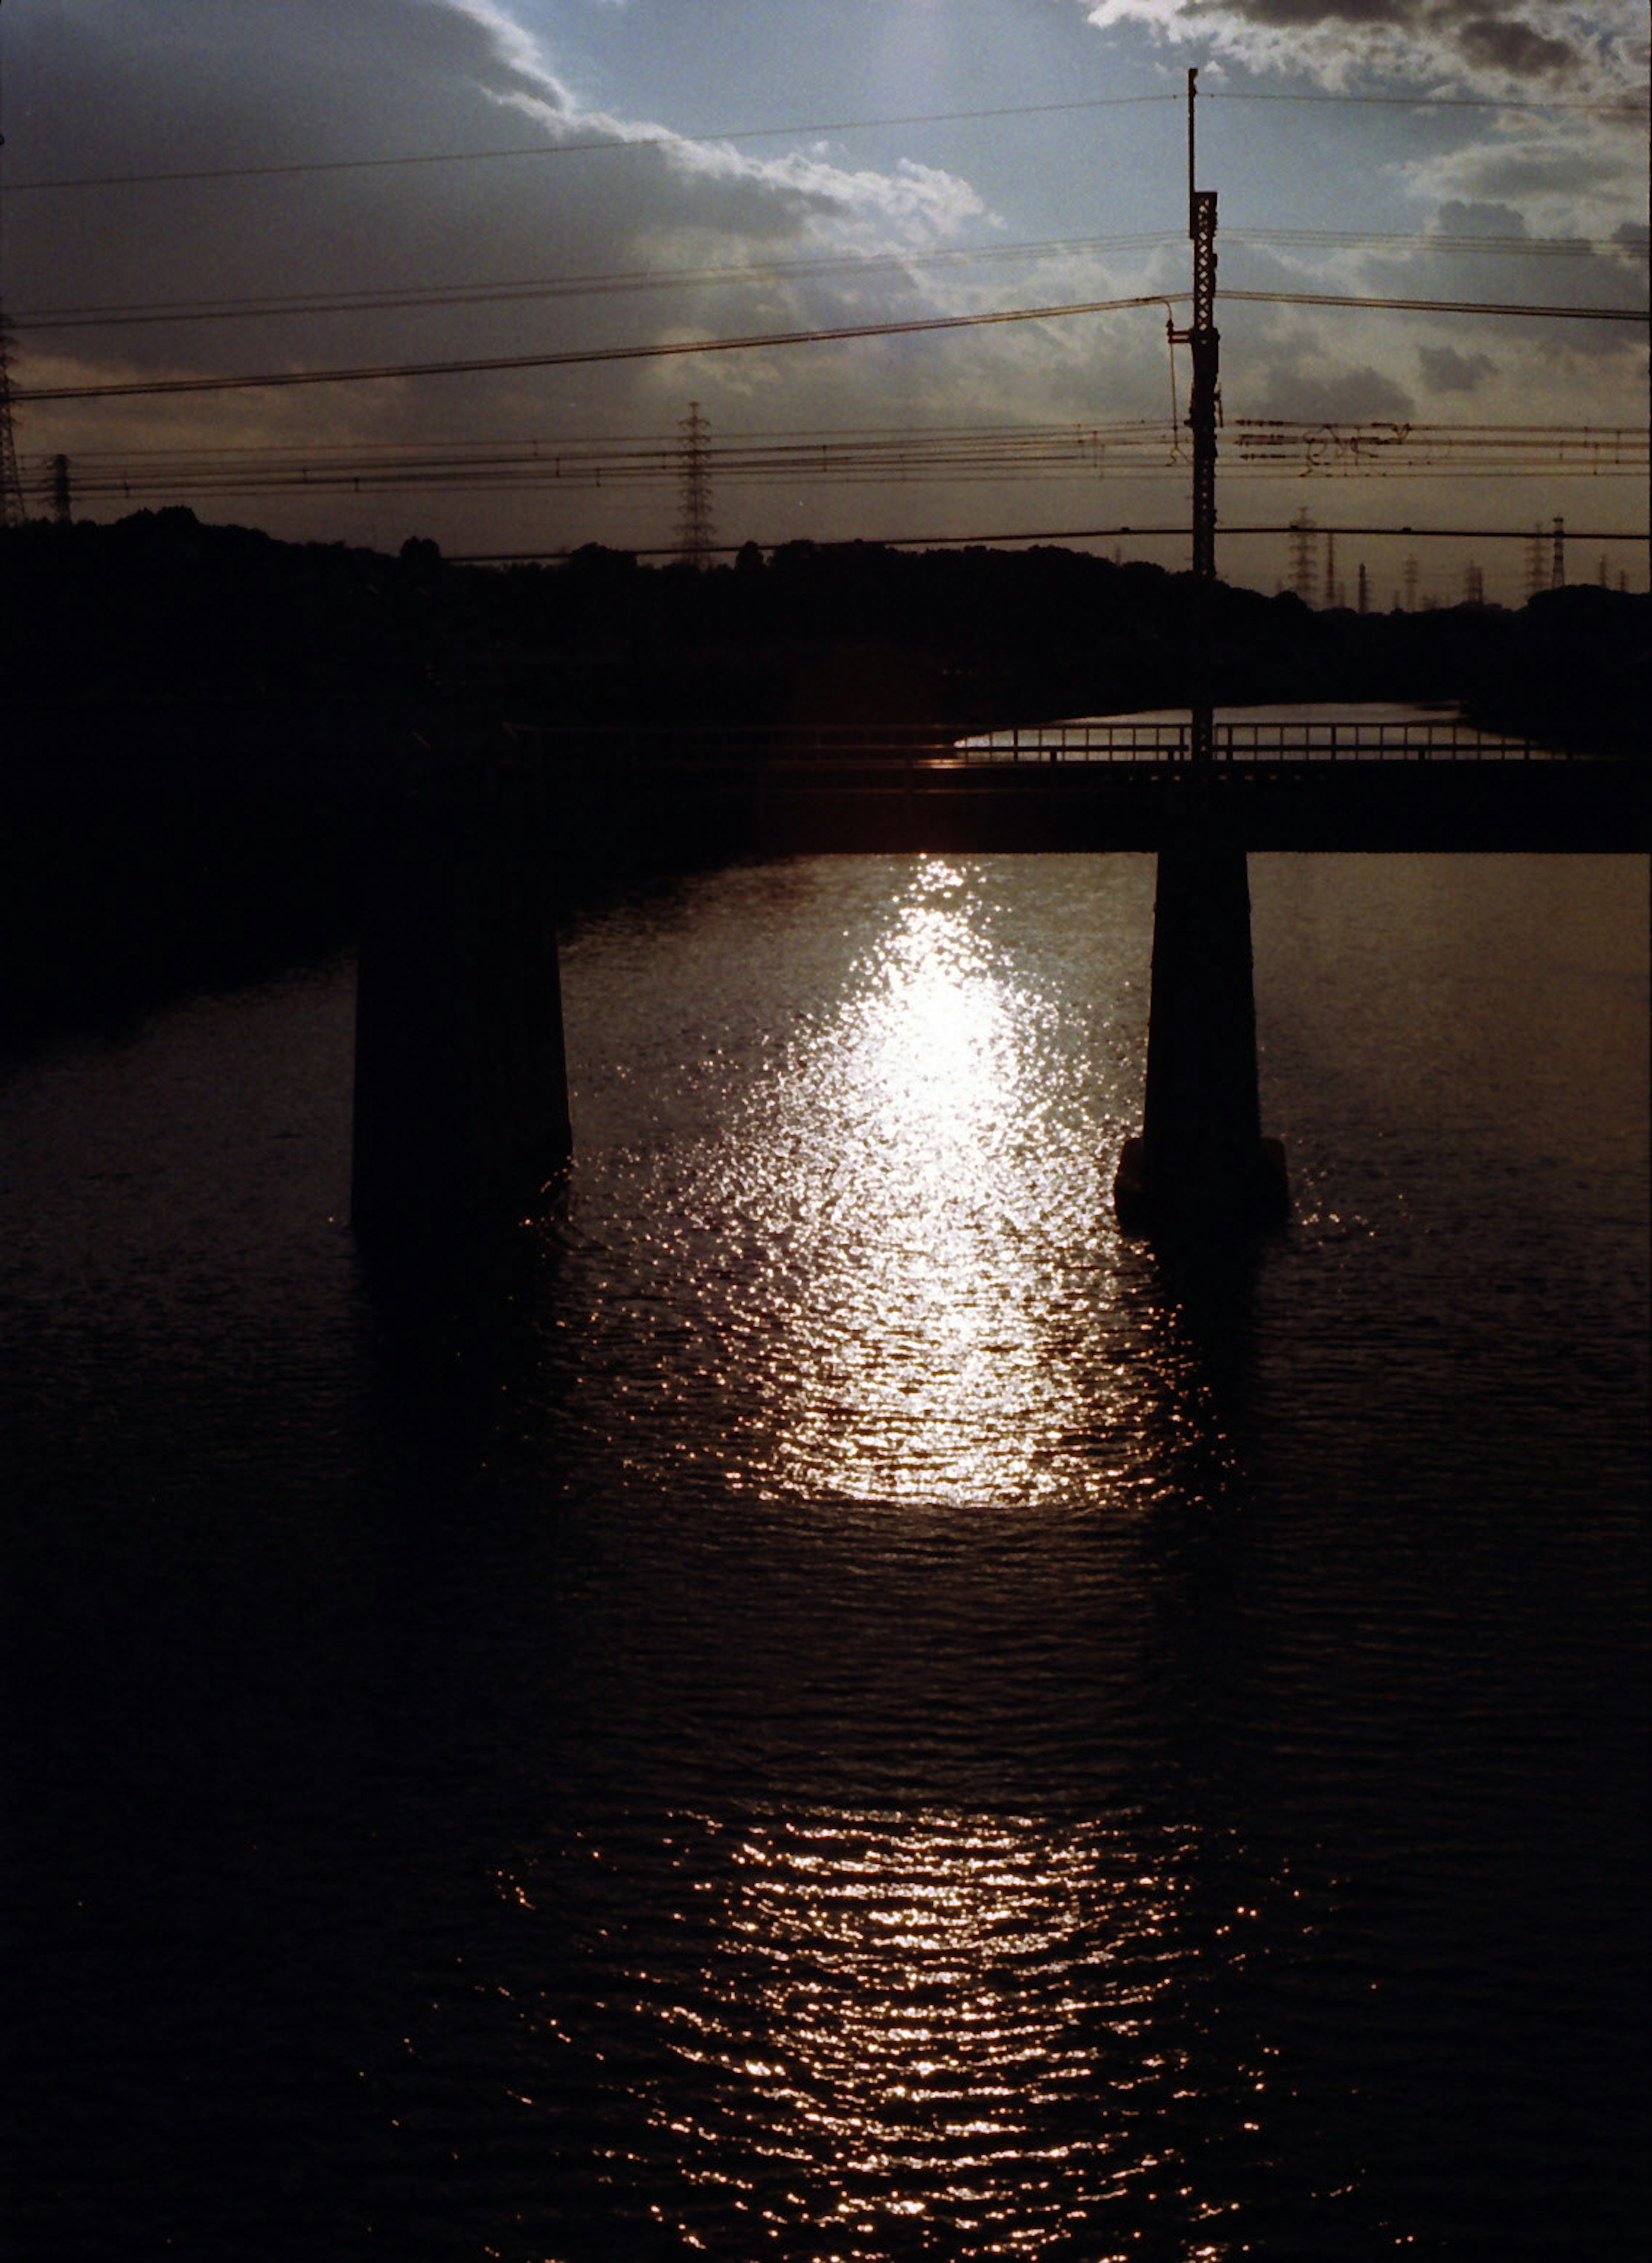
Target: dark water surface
(822,1706)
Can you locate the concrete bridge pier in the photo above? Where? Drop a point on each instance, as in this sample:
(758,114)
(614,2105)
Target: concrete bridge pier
(1201,1170)
(461,1113)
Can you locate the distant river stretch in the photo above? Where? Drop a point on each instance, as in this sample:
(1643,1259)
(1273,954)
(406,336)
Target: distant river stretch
(823,1707)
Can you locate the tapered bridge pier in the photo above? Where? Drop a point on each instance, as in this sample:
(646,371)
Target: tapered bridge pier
(461,1119)
(1200,1168)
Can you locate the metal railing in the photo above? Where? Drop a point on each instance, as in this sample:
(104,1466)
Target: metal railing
(1440,739)
(1153,744)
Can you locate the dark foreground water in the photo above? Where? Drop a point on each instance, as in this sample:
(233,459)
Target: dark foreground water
(821,1706)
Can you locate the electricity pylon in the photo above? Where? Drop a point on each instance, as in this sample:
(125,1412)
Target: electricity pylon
(12,513)
(697,536)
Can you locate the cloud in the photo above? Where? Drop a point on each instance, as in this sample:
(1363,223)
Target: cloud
(1545,187)
(222,85)
(1592,50)
(1505,43)
(612,198)
(1297,376)
(1445,370)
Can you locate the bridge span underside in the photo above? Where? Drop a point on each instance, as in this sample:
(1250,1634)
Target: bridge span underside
(870,802)
(461,1097)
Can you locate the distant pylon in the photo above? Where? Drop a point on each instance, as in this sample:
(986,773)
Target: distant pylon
(1303,547)
(62,495)
(1536,570)
(1410,585)
(1557,556)
(12,513)
(697,536)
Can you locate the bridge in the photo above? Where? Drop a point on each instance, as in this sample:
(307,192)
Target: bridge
(461,1097)
(1383,782)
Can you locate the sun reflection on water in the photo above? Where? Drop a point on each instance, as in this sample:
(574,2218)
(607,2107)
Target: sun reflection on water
(941,2032)
(942,1191)
(918,1978)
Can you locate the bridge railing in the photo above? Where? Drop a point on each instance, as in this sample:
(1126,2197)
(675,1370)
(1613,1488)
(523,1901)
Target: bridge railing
(1388,740)
(1149,744)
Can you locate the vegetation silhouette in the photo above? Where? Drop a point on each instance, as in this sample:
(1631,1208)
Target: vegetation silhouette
(206,724)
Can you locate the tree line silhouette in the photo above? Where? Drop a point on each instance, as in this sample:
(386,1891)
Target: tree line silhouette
(160,606)
(206,726)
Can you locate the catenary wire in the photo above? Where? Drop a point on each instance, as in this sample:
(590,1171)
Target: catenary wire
(391,299)
(659,350)
(677,139)
(1259,447)
(579,356)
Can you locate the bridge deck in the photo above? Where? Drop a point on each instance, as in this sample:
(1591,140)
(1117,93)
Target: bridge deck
(1101,739)
(1092,740)
(1089,786)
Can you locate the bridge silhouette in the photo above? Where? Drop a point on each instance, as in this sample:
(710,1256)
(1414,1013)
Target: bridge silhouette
(461,1094)
(461,1090)
(1427,782)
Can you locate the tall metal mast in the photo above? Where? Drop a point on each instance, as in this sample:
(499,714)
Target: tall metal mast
(13,510)
(1204,396)
(1203,342)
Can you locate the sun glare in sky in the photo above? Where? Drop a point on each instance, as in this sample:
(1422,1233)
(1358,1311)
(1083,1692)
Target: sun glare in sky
(445,212)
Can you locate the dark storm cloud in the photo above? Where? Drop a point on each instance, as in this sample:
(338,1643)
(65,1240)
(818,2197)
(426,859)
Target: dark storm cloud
(1445,370)
(219,86)
(1297,12)
(1487,34)
(1511,45)
(1499,45)
(1350,395)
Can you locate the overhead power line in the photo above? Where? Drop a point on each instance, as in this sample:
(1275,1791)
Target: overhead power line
(1437,306)
(660,350)
(618,141)
(1131,450)
(609,144)
(1179,533)
(387,299)
(910,325)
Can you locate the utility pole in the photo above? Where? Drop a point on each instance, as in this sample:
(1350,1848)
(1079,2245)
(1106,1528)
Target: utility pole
(1204,399)
(62,498)
(1204,394)
(13,510)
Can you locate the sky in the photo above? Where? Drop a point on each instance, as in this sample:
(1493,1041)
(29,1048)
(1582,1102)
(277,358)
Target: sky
(203,189)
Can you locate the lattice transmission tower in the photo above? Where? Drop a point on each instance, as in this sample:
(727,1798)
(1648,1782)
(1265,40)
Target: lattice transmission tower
(1304,556)
(12,511)
(697,536)
(1546,558)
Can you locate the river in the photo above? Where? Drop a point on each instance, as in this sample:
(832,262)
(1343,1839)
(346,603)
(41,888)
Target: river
(820,1706)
